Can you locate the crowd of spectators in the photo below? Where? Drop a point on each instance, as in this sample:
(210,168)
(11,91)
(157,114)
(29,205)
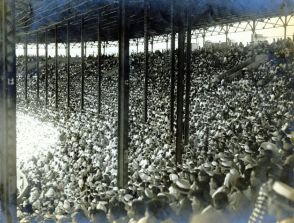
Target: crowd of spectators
(239,143)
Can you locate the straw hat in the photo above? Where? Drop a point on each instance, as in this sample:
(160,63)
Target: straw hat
(284,190)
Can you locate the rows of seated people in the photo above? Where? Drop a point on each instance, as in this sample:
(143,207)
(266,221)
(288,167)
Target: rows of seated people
(239,142)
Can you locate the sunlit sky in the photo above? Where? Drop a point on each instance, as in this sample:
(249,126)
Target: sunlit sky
(236,35)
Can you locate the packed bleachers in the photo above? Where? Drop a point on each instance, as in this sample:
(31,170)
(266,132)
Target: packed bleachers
(240,140)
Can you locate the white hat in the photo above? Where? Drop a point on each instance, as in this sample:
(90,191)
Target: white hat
(173,177)
(50,193)
(269,146)
(284,190)
(127,199)
(148,192)
(183,185)
(101,206)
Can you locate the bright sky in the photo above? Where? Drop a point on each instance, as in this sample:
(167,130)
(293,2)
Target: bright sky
(268,33)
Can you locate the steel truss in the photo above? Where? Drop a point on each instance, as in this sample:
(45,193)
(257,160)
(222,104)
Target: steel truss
(229,28)
(246,26)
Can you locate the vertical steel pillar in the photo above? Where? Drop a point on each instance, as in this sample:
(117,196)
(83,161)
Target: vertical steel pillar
(166,42)
(253,29)
(196,40)
(46,68)
(227,34)
(152,42)
(123,94)
(99,66)
(68,62)
(180,86)
(137,44)
(285,24)
(8,191)
(104,48)
(83,64)
(173,61)
(146,53)
(188,76)
(26,69)
(203,36)
(38,68)
(56,69)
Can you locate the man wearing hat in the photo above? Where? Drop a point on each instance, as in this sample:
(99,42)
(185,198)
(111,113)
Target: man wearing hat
(274,201)
(179,189)
(136,211)
(281,201)
(218,211)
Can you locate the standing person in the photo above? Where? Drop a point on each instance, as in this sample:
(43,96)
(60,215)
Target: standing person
(216,212)
(117,213)
(156,212)
(274,203)
(137,211)
(152,212)
(239,203)
(79,216)
(98,216)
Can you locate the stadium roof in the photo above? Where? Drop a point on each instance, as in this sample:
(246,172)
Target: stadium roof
(38,15)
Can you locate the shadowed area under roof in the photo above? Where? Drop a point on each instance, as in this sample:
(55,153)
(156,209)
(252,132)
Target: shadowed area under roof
(35,15)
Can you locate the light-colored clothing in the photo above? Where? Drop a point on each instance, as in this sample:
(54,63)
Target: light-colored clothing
(289,220)
(231,177)
(148,219)
(238,202)
(122,220)
(210,215)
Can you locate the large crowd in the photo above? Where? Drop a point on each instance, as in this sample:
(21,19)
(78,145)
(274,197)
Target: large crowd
(239,146)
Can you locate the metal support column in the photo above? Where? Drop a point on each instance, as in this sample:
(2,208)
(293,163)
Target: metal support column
(123,95)
(285,24)
(188,77)
(26,69)
(172,64)
(38,68)
(82,64)
(227,33)
(99,65)
(146,53)
(68,62)
(137,44)
(253,29)
(46,68)
(8,191)
(180,87)
(197,41)
(203,36)
(152,42)
(166,42)
(56,69)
